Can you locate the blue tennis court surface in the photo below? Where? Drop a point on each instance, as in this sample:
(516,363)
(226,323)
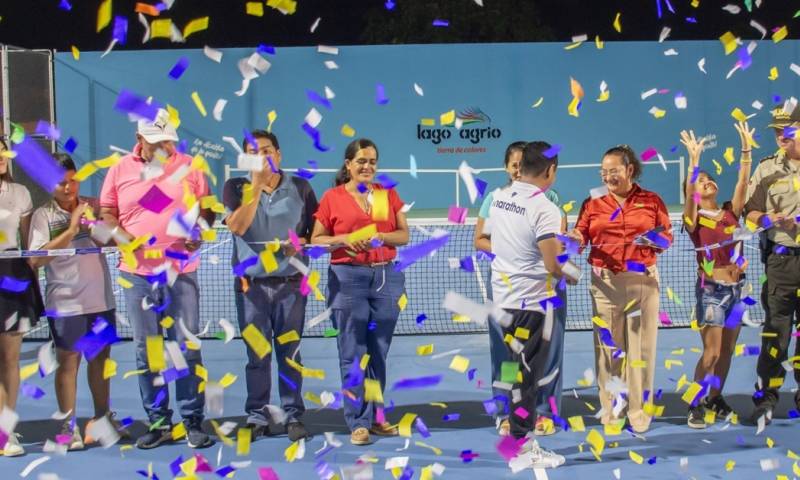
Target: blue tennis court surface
(706,452)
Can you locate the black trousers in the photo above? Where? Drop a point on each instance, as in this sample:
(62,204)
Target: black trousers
(779,297)
(531,359)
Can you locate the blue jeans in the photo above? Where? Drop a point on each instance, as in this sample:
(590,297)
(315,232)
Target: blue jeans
(180,301)
(275,306)
(715,302)
(499,353)
(364,308)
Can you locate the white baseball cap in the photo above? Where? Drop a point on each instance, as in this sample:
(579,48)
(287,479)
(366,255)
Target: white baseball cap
(158,130)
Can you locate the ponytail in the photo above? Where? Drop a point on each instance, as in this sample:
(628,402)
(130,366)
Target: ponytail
(343,175)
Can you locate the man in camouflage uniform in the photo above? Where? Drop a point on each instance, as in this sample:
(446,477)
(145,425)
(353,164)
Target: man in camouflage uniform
(773,202)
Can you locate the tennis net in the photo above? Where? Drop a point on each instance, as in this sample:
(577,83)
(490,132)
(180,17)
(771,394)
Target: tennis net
(429,279)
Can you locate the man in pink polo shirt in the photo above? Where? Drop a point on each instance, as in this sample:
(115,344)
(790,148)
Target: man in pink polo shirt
(150,200)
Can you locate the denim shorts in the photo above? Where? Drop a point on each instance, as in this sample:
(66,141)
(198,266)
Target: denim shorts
(715,301)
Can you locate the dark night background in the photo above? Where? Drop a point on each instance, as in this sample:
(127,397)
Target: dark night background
(42,24)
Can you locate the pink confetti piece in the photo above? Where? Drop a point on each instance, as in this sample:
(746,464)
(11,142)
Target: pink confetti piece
(553,406)
(266,473)
(380,416)
(508,447)
(457,214)
(155,200)
(648,154)
(521,413)
(663,317)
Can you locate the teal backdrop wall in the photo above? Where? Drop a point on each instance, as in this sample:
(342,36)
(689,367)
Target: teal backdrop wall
(502,81)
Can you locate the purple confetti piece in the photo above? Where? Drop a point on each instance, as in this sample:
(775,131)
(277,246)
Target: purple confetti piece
(48,130)
(288,381)
(386,181)
(657,239)
(735,317)
(240,268)
(669,6)
(552,151)
(407,256)
(32,391)
(745,60)
(467,456)
(658,8)
(632,266)
(70,145)
(421,319)
(65,5)
(182,146)
(691,19)
(315,136)
(389,5)
(451,417)
(673,149)
(471,374)
(225,471)
(155,200)
(483,255)
(250,139)
(380,95)
(441,23)
(40,166)
(120,31)
(422,428)
(490,407)
(272,165)
(480,185)
(180,66)
(749,300)
(175,466)
(419,382)
(268,49)
(162,394)
(130,103)
(616,213)
(319,99)
(11,284)
(467,264)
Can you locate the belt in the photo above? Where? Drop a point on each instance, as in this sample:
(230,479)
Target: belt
(296,276)
(370,265)
(784,250)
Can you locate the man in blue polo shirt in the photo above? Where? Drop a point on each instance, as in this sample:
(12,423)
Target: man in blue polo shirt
(263,208)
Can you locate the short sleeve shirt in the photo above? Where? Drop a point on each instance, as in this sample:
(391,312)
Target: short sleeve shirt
(124,189)
(77,284)
(290,206)
(551,195)
(775,188)
(15,203)
(520,216)
(340,214)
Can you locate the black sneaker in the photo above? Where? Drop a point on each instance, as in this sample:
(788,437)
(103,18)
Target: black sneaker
(697,417)
(718,405)
(196,437)
(296,431)
(257,430)
(762,410)
(154,438)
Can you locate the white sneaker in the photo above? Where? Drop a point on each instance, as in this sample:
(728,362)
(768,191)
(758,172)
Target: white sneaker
(531,455)
(13,447)
(76,442)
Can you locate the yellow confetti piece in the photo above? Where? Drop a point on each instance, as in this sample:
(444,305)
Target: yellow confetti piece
(76,54)
(167,322)
(613,428)
(598,43)
(629,305)
(85,172)
(380,205)
(199,104)
(573,45)
(717,166)
(194,26)
(770,443)
(268,260)
(427,122)
(728,40)
(695,3)
(691,393)
(227,380)
(597,442)
(365,233)
(438,404)
(161,28)
(447,118)
(405,424)
(124,283)
(200,371)
(402,302)
(710,417)
(312,397)
(155,353)
(576,424)
(739,115)
(255,9)
(271,117)
(617,24)
(256,340)
(657,112)
(538,103)
(227,441)
(287,7)
(364,361)
(243,436)
(423,350)
(638,364)
(775,382)
(28,370)
(109,368)
(348,131)
(653,410)
(599,322)
(635,457)
(178,431)
(131,373)
(729,465)
(506,280)
(435,450)
(372,390)
(290,336)
(522,333)
(103,15)
(796,469)
(779,34)
(459,364)
(590,406)
(572,108)
(567,207)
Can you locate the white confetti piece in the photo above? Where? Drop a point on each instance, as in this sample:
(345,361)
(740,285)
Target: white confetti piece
(213,54)
(680,102)
(757,105)
(233,143)
(465,172)
(549,378)
(796,69)
(319,318)
(47,358)
(419,90)
(395,462)
(313,117)
(664,34)
(331,65)
(249,161)
(218,108)
(759,27)
(702,65)
(329,93)
(327,50)
(227,327)
(649,93)
(617,473)
(8,420)
(104,431)
(580,38)
(768,464)
(259,63)
(315,24)
(332,440)
(732,9)
(27,470)
(670,53)
(189,335)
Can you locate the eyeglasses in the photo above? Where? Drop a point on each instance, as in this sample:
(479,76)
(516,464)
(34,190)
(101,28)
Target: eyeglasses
(610,173)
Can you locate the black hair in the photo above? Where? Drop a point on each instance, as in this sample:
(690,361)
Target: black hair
(534,161)
(629,157)
(6,177)
(263,134)
(343,176)
(65,161)
(727,205)
(510,149)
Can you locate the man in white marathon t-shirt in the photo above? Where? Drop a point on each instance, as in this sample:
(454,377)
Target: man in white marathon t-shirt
(523,225)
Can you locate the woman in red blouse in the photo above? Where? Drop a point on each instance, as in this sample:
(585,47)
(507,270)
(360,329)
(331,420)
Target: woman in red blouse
(363,223)
(720,272)
(626,227)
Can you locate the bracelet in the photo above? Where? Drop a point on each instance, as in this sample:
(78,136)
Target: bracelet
(747,151)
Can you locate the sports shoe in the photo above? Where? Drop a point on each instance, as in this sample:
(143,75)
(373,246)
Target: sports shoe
(196,437)
(257,430)
(763,409)
(75,442)
(13,447)
(697,417)
(360,436)
(384,429)
(155,438)
(531,455)
(296,431)
(544,426)
(123,432)
(504,428)
(718,405)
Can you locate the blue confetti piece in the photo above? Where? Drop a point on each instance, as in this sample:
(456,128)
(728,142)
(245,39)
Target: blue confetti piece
(120,30)
(422,428)
(632,266)
(490,407)
(408,256)
(40,166)
(380,95)
(65,5)
(606,338)
(32,391)
(441,23)
(316,252)
(651,460)
(552,151)
(451,417)
(162,394)
(268,49)
(421,319)
(386,181)
(740,439)
(735,317)
(362,188)
(225,471)
(355,376)
(180,66)
(408,472)
(658,9)
(484,255)
(13,285)
(371,326)
(794,413)
(172,374)
(690,20)
(70,145)
(303,173)
(789,132)
(287,381)
(128,102)
(176,255)
(695,174)
(777,99)
(47,130)
(467,264)
(471,374)
(175,466)
(240,269)
(659,392)
(315,136)
(389,5)
(127,422)
(319,99)
(419,382)
(616,213)
(673,149)
(751,350)
(390,407)
(555,301)
(480,185)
